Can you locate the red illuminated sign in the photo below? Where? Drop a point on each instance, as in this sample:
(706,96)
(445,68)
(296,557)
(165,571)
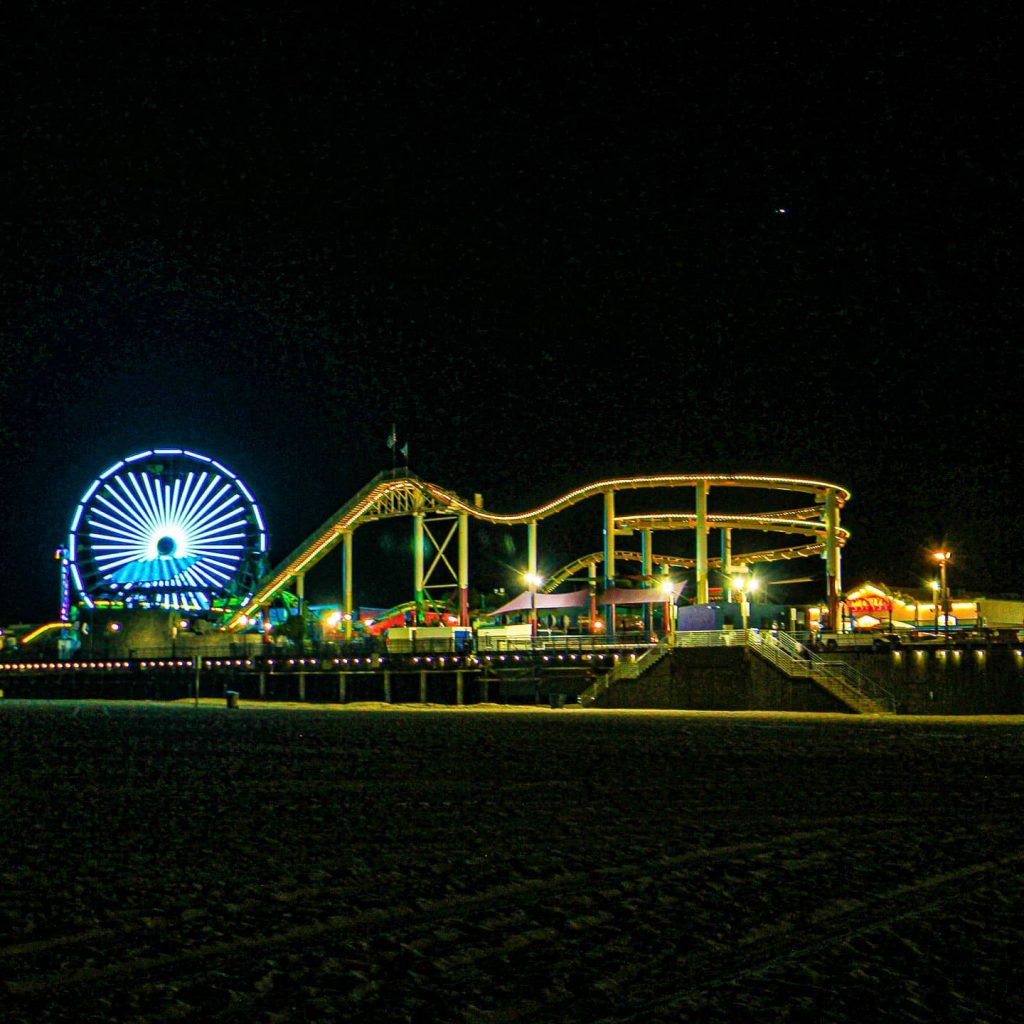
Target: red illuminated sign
(869,605)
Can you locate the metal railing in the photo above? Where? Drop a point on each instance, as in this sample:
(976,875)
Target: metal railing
(630,667)
(797,660)
(573,642)
(711,638)
(786,652)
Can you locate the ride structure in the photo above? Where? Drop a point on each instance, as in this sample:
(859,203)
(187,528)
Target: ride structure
(166,528)
(440,516)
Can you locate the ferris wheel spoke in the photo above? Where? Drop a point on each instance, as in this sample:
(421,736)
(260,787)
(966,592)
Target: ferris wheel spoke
(227,565)
(107,557)
(220,548)
(154,492)
(118,534)
(228,552)
(212,530)
(219,569)
(213,488)
(106,554)
(104,516)
(119,509)
(117,514)
(189,494)
(215,534)
(172,500)
(212,506)
(146,508)
(217,513)
(163,496)
(204,576)
(134,501)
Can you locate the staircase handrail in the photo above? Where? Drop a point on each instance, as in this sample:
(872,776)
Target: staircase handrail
(798,660)
(627,668)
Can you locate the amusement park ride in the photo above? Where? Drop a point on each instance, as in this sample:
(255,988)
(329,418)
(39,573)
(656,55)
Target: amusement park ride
(165,528)
(172,529)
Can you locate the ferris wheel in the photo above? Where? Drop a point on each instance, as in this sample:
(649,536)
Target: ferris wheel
(167,528)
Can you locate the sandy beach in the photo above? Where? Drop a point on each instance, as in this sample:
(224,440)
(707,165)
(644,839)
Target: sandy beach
(278,864)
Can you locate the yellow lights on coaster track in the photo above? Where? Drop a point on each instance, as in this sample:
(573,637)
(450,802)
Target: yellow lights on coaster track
(39,630)
(387,498)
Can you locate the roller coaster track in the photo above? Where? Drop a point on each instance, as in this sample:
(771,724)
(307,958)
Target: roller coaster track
(680,561)
(389,496)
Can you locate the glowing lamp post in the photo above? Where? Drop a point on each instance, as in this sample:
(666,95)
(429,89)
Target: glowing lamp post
(744,586)
(533,581)
(943,557)
(667,588)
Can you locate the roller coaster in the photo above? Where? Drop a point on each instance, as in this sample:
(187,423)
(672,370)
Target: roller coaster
(440,516)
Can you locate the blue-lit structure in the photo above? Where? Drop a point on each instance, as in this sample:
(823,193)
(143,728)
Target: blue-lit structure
(167,528)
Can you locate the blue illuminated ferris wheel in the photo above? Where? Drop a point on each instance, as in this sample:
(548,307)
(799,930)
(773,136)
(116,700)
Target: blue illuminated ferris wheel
(170,529)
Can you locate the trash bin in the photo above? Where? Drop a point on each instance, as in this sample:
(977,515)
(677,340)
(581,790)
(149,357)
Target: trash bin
(232,698)
(557,700)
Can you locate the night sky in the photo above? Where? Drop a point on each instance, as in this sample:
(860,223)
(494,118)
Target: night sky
(550,247)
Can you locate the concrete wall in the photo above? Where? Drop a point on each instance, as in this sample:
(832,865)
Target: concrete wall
(718,679)
(971,682)
(983,681)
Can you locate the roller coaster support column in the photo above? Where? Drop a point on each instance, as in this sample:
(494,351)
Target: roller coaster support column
(647,557)
(592,587)
(726,565)
(347,583)
(702,541)
(463,569)
(300,593)
(417,551)
(609,557)
(669,610)
(832,558)
(531,572)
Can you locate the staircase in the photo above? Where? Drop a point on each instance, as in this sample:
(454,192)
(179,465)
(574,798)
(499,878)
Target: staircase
(631,667)
(857,691)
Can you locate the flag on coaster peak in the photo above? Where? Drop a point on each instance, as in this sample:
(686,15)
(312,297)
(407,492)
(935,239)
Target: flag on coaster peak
(392,437)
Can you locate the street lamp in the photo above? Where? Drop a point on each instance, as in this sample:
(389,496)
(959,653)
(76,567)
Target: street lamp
(744,585)
(667,587)
(533,581)
(943,557)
